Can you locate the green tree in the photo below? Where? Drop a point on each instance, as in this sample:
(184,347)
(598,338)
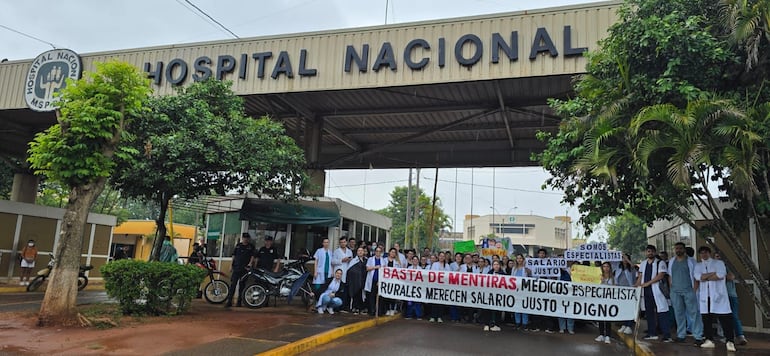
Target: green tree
(396,211)
(94,118)
(628,233)
(200,142)
(6,179)
(648,131)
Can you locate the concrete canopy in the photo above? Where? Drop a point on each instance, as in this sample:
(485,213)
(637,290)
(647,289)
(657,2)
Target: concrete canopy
(467,92)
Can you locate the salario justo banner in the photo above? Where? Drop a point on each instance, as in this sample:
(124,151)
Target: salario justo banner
(511,294)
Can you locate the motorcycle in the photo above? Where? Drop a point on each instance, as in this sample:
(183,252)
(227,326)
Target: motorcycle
(43,274)
(261,284)
(217,288)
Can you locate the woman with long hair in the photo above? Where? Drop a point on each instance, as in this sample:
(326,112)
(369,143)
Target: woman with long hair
(625,276)
(520,320)
(437,310)
(490,316)
(604,326)
(393,260)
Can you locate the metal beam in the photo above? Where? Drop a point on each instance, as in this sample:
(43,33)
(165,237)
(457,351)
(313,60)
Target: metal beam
(503,112)
(327,126)
(381,147)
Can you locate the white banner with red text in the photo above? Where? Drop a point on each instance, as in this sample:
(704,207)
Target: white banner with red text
(511,294)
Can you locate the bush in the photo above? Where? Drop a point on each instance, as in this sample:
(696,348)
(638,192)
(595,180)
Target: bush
(152,288)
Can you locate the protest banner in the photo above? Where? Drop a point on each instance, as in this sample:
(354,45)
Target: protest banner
(593,252)
(586,274)
(511,294)
(545,267)
(464,246)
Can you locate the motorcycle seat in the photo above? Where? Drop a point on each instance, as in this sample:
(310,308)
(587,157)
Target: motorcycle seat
(273,274)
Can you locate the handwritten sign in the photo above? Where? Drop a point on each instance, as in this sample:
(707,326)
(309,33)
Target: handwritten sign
(586,274)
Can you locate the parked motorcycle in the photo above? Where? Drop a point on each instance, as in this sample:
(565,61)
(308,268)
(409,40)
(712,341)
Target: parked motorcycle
(291,281)
(217,288)
(43,274)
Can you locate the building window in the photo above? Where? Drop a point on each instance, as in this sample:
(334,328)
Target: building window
(560,233)
(511,229)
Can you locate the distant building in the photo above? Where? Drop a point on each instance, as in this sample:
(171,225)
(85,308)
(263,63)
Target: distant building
(528,233)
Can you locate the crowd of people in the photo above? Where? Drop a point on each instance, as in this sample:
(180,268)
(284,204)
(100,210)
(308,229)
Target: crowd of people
(698,298)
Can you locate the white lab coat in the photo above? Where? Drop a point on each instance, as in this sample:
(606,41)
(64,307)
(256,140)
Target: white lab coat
(320,262)
(660,300)
(716,290)
(338,264)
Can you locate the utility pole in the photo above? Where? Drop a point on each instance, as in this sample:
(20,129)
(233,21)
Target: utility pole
(433,213)
(415,231)
(408,210)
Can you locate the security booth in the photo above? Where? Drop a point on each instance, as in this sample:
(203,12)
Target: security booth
(296,227)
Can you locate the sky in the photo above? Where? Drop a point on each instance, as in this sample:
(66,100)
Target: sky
(86,26)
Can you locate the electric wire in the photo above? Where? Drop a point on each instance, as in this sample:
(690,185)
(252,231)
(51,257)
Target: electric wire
(28,36)
(211,18)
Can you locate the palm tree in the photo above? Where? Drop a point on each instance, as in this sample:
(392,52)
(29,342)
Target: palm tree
(707,140)
(748,23)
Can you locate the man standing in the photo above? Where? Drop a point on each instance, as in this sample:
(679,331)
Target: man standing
(683,298)
(340,260)
(243,256)
(651,271)
(714,302)
(267,256)
(732,293)
(322,267)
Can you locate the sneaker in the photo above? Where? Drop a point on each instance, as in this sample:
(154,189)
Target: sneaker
(534,330)
(344,311)
(439,320)
(495,328)
(355,312)
(651,337)
(548,331)
(321,310)
(730,346)
(698,343)
(330,310)
(432,320)
(599,338)
(571,332)
(742,340)
(667,340)
(607,340)
(486,327)
(561,331)
(408,317)
(708,344)
(628,331)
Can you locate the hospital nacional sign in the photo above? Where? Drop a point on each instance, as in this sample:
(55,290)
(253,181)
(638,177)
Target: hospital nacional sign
(418,54)
(47,75)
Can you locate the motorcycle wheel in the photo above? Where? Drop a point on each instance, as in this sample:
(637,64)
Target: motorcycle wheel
(35,284)
(82,282)
(216,291)
(254,296)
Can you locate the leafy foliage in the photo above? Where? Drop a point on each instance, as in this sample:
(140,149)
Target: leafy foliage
(200,142)
(152,288)
(627,233)
(93,115)
(396,211)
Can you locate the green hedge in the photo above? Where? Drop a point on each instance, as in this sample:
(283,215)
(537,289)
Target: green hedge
(152,288)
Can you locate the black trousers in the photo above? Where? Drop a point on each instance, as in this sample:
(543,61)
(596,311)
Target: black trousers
(234,278)
(604,328)
(372,296)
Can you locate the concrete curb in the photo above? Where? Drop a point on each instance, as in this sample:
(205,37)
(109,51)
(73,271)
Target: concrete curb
(639,348)
(311,342)
(22,289)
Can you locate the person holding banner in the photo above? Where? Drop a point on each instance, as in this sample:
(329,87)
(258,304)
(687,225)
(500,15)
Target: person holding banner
(604,326)
(521,320)
(414,309)
(357,279)
(393,260)
(437,310)
(566,324)
(371,287)
(651,271)
(625,276)
(490,316)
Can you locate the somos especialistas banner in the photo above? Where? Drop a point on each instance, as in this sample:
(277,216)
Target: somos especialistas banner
(511,294)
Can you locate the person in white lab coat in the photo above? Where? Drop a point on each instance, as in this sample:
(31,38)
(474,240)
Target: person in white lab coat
(323,265)
(651,272)
(342,256)
(713,299)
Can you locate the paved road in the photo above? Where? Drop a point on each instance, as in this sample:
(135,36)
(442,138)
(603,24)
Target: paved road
(414,338)
(14,302)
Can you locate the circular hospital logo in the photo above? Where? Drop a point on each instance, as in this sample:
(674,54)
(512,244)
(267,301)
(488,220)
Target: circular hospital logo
(47,75)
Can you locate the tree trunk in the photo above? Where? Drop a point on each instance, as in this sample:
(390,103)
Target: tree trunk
(160,227)
(59,304)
